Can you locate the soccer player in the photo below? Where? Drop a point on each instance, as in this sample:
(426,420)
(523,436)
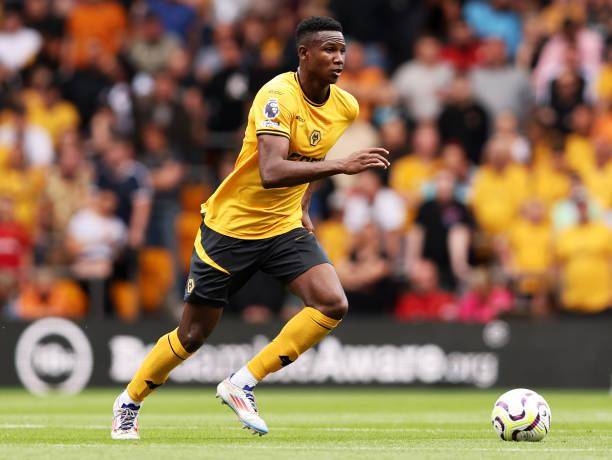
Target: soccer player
(258,220)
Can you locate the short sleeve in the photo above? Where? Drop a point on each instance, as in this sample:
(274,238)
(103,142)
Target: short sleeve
(355,108)
(142,187)
(273,111)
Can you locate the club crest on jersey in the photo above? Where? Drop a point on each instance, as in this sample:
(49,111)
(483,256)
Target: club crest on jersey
(190,285)
(315,137)
(271,109)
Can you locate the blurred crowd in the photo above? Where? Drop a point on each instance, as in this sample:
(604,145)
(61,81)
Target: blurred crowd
(118,118)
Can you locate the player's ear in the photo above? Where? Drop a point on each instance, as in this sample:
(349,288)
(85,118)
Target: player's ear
(302,51)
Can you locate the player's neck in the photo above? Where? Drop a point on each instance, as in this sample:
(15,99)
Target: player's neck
(314,89)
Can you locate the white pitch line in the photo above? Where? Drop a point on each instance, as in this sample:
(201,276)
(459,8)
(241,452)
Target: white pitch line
(16,426)
(310,448)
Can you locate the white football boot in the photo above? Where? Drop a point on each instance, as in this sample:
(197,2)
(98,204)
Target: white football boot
(125,420)
(242,402)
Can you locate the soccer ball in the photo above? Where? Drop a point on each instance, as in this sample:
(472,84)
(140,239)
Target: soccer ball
(521,415)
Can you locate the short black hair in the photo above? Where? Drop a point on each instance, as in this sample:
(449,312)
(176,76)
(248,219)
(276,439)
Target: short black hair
(313,25)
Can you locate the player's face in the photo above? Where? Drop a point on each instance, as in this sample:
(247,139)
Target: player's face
(325,56)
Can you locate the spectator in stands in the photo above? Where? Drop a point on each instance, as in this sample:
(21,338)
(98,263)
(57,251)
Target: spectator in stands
(422,81)
(207,60)
(453,160)
(66,191)
(366,272)
(602,127)
(534,37)
(461,51)
(166,172)
(527,253)
(47,295)
(332,233)
(24,186)
(15,250)
(131,182)
(494,73)
(410,173)
(163,108)
(45,17)
(368,83)
(586,48)
(507,130)
(554,15)
(566,92)
(393,133)
(441,234)
(426,301)
(549,177)
(485,300)
(598,177)
(95,237)
(603,89)
(566,212)
(584,255)
(151,48)
(496,18)
(18,44)
(579,151)
(371,202)
(500,187)
(178,18)
(464,120)
(17,132)
(96,31)
(45,106)
(269,46)
(226,93)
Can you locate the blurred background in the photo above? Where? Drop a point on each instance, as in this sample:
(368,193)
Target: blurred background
(118,118)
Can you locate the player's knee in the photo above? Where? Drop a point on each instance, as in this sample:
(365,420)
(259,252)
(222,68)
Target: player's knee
(335,306)
(192,337)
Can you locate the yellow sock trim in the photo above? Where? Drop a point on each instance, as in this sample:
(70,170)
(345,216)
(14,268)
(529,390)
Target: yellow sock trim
(167,353)
(301,332)
(177,346)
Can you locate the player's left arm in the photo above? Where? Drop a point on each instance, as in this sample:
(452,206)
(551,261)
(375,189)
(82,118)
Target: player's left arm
(306,221)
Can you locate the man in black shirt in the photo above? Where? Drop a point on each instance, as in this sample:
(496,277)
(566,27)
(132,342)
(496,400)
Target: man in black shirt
(441,233)
(131,183)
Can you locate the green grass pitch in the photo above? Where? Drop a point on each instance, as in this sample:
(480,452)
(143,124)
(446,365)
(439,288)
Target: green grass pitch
(305,423)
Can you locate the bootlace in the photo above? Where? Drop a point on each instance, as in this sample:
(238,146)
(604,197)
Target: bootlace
(127,418)
(251,397)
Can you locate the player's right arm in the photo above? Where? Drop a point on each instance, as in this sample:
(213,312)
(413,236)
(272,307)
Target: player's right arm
(277,171)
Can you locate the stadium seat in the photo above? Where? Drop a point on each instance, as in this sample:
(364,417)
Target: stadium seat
(155,277)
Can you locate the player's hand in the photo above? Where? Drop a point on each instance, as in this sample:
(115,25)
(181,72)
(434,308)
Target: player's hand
(361,160)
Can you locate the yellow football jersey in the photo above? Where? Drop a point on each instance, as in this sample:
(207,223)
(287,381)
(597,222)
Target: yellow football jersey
(241,207)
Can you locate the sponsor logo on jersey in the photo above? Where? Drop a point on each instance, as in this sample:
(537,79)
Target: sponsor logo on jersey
(294,156)
(270,124)
(271,109)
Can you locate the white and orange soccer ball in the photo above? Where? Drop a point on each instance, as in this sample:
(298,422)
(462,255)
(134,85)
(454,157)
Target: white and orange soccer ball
(521,415)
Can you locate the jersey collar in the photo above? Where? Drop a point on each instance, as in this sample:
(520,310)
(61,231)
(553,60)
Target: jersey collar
(295,75)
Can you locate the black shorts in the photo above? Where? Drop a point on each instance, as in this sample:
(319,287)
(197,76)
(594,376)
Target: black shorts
(221,264)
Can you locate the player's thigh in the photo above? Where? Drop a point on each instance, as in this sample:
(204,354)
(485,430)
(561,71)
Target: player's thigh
(297,260)
(219,266)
